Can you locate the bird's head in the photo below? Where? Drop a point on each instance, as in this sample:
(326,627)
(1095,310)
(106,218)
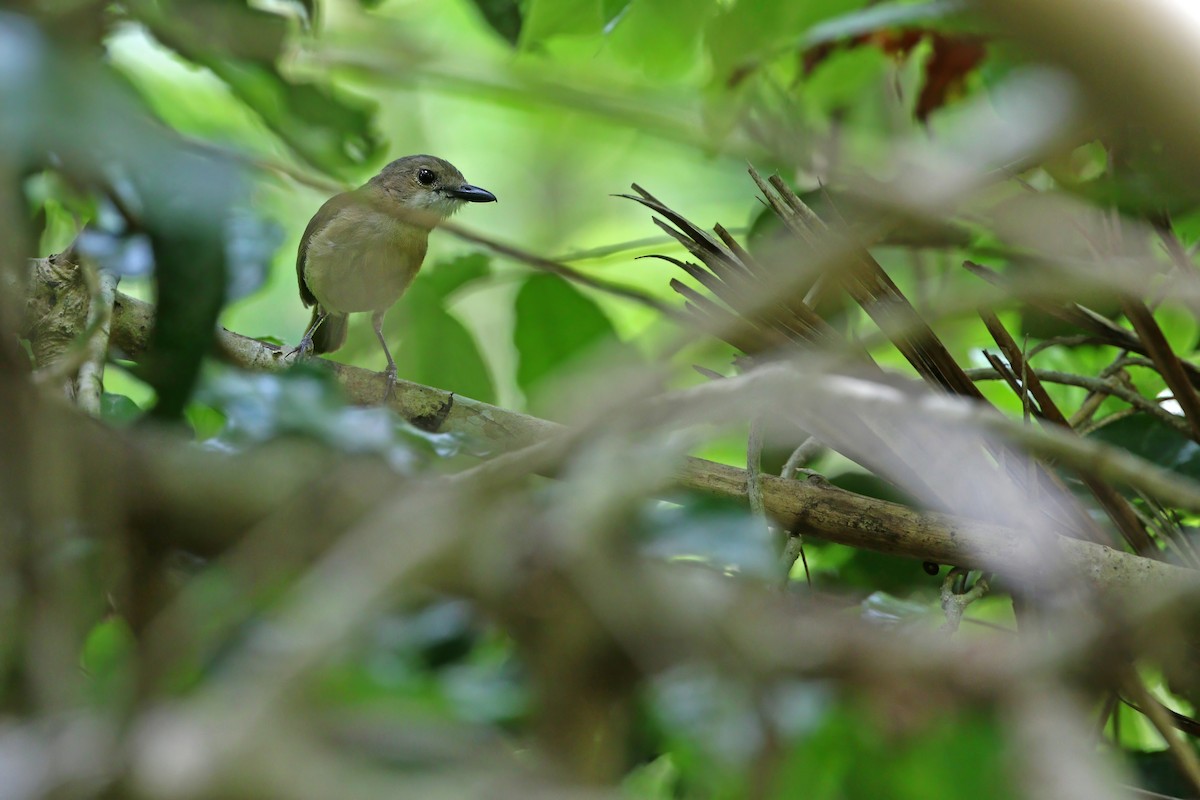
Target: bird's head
(428,184)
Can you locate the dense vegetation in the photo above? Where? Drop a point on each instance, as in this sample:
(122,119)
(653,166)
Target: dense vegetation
(813,416)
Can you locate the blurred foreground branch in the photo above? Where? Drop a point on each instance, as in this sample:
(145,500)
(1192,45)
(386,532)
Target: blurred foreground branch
(816,510)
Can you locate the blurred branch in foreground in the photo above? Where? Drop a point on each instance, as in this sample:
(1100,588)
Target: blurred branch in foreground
(816,510)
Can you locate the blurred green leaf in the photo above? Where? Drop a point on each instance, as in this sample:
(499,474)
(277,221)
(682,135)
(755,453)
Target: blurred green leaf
(435,348)
(1154,441)
(332,133)
(1158,771)
(662,37)
(503,16)
(656,780)
(438,661)
(118,410)
(555,323)
(879,16)
(727,539)
(206,421)
(108,660)
(750,29)
(885,609)
(307,401)
(447,277)
(710,721)
(932,757)
(228,27)
(547,18)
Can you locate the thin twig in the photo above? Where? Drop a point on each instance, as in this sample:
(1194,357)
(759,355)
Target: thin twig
(1099,386)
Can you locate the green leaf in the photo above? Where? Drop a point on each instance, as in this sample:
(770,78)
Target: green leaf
(556,323)
(944,757)
(435,348)
(107,659)
(503,16)
(888,610)
(547,18)
(240,45)
(753,29)
(118,410)
(447,277)
(655,780)
(726,538)
(872,18)
(660,36)
(329,132)
(206,421)
(1154,441)
(307,401)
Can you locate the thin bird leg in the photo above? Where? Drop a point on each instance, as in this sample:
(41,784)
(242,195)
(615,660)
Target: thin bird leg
(377,323)
(306,343)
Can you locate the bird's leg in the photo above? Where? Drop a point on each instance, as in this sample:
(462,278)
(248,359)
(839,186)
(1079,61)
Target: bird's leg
(377,323)
(306,342)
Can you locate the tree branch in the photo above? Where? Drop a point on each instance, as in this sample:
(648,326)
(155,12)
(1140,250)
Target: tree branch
(816,510)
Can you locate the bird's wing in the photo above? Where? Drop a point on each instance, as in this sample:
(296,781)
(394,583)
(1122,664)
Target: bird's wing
(315,225)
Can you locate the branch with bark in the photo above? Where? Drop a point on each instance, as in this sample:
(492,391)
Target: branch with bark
(813,508)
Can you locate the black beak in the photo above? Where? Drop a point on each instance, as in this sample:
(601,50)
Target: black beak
(472,194)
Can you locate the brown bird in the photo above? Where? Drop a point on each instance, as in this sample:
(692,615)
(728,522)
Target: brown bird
(363,248)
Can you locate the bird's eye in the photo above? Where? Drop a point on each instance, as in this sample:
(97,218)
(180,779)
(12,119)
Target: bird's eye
(426,177)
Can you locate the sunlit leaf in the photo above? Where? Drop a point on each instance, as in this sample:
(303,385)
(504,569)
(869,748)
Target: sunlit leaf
(547,18)
(205,420)
(660,36)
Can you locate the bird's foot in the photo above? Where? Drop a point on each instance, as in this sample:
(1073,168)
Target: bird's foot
(389,377)
(302,349)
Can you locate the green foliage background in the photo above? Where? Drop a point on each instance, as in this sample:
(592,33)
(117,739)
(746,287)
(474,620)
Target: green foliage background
(555,106)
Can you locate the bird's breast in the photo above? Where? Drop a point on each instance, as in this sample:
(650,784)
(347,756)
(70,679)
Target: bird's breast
(363,260)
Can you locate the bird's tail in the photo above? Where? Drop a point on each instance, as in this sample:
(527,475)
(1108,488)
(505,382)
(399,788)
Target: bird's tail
(332,333)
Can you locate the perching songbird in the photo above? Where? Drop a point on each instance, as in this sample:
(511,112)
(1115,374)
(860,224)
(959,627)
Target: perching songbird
(363,248)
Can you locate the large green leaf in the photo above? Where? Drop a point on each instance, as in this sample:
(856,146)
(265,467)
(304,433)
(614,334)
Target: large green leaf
(435,348)
(240,44)
(556,323)
(547,18)
(660,36)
